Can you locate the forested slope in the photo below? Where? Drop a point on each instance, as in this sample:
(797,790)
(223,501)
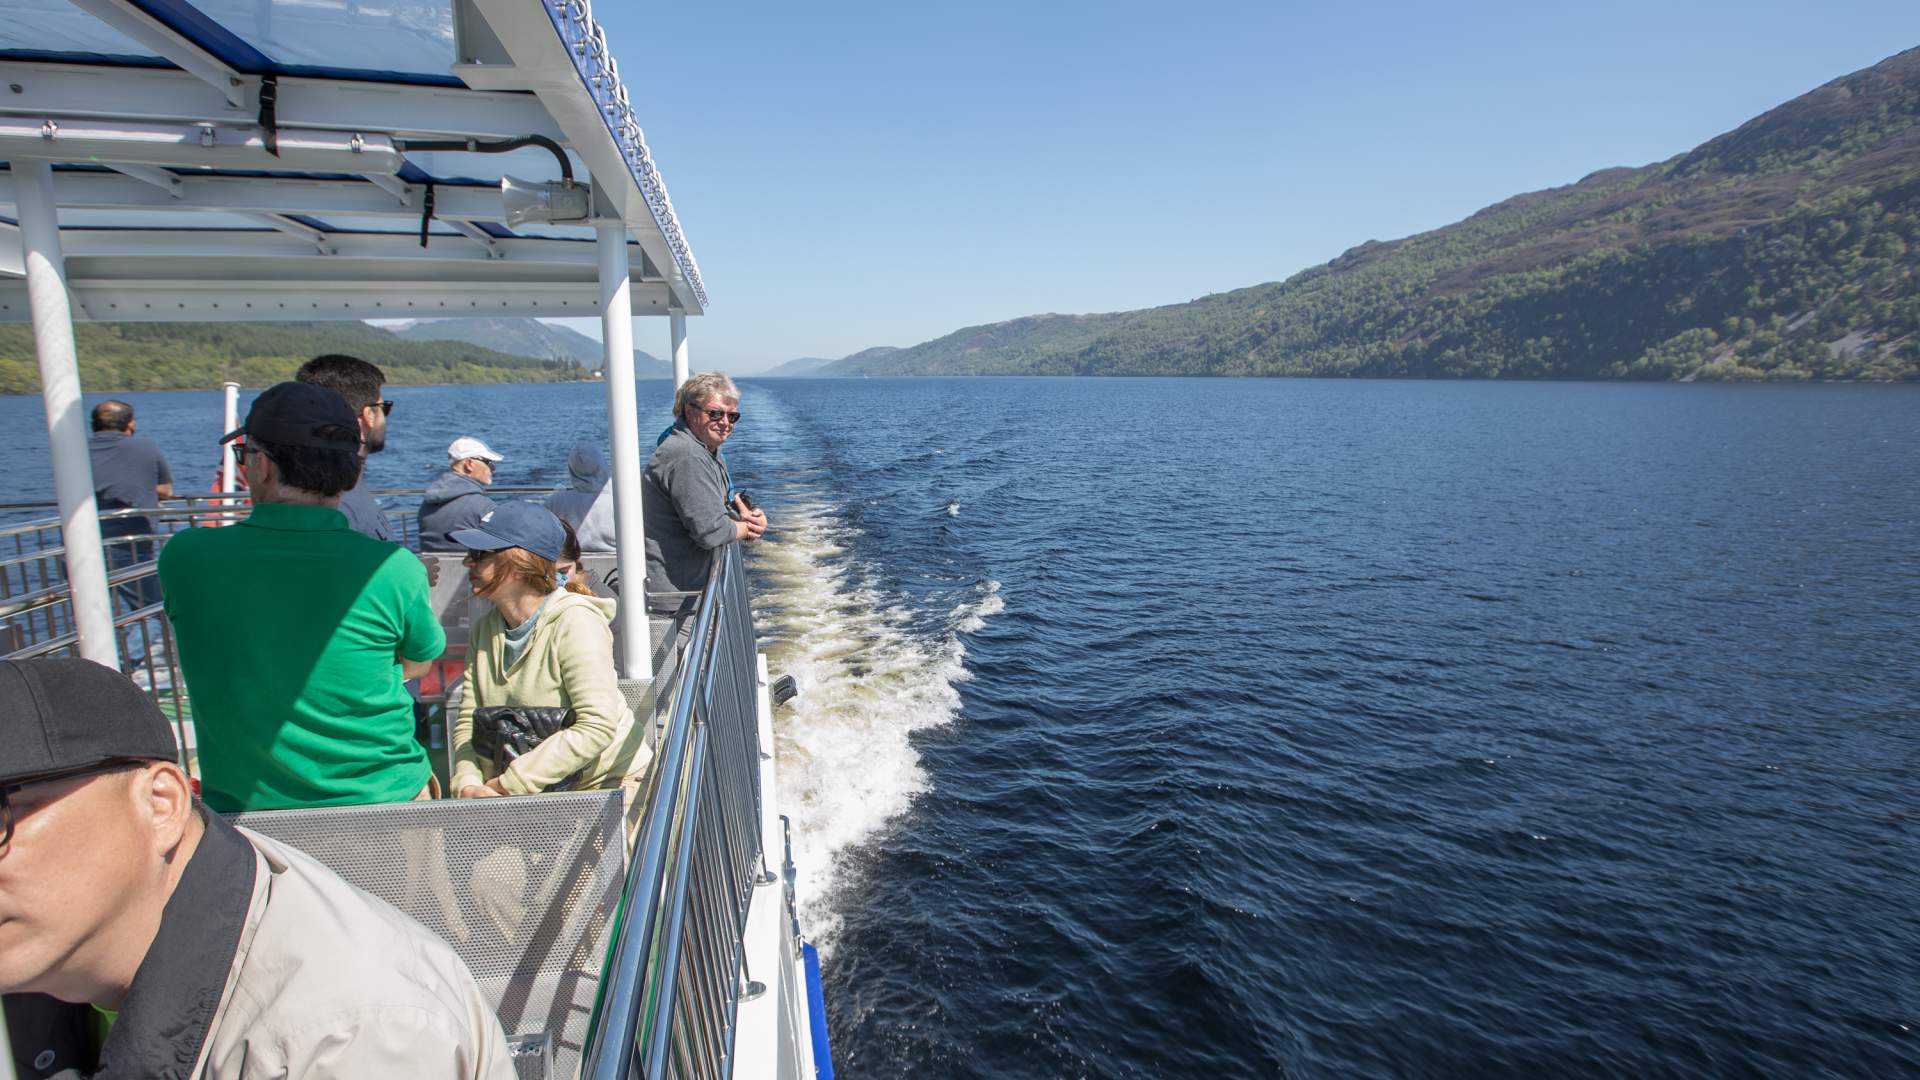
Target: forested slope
(185,356)
(1786,249)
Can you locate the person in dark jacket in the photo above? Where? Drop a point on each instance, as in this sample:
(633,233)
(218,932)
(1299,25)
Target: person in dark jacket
(458,500)
(129,472)
(360,383)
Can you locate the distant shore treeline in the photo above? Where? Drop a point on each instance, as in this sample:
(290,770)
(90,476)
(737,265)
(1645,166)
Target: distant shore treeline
(1787,249)
(198,356)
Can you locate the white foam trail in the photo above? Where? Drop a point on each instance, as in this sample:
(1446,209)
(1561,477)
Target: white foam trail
(953,508)
(846,761)
(972,617)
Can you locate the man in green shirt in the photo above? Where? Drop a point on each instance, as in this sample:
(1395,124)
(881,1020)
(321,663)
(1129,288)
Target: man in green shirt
(295,633)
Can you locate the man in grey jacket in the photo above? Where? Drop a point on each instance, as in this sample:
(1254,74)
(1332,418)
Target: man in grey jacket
(228,956)
(458,500)
(684,493)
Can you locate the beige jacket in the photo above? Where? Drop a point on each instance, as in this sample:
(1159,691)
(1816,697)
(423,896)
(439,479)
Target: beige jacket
(568,662)
(331,982)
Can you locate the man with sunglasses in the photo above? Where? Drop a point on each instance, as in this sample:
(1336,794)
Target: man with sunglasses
(220,954)
(296,633)
(684,493)
(361,384)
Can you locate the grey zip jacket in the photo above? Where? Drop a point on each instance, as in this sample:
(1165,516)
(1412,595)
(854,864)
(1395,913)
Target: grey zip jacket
(451,503)
(684,498)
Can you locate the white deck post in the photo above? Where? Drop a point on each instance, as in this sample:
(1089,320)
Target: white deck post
(679,320)
(230,420)
(623,432)
(46,271)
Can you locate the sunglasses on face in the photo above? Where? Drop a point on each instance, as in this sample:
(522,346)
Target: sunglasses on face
(386,407)
(241,450)
(717,415)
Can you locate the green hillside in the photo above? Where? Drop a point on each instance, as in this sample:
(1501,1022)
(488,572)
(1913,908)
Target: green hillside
(1786,249)
(188,356)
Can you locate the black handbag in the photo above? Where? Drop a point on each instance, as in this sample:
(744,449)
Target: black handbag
(502,733)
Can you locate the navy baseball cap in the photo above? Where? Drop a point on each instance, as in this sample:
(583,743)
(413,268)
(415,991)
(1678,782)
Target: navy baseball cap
(521,525)
(59,713)
(301,414)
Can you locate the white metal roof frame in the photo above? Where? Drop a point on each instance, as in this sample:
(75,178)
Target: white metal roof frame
(161,164)
(161,241)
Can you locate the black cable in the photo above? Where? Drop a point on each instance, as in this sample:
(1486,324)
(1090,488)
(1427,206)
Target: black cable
(426,213)
(476,146)
(269,113)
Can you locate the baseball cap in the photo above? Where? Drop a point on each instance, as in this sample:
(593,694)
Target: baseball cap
(59,713)
(301,414)
(466,446)
(521,525)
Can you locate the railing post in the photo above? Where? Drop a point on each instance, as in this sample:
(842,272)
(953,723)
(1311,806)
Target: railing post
(66,423)
(229,480)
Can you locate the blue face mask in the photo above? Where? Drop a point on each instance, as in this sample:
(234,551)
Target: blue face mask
(561,579)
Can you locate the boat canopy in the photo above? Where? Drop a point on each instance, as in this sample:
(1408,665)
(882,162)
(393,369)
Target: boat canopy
(249,160)
(329,159)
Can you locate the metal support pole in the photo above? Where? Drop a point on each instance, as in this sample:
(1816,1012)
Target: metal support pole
(623,433)
(679,320)
(229,480)
(46,271)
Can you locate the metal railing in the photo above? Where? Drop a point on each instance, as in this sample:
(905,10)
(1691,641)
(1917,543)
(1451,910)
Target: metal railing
(678,972)
(35,607)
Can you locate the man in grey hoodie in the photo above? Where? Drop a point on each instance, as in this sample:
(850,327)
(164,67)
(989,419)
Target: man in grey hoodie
(588,504)
(458,499)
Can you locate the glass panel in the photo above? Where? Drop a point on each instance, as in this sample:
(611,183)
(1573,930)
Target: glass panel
(407,36)
(56,26)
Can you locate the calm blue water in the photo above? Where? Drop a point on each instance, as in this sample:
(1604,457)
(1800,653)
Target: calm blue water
(1311,728)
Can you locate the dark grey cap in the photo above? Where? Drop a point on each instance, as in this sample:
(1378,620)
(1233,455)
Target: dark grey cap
(59,713)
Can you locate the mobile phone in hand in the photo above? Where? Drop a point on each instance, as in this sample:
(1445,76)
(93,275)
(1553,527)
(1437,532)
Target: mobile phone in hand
(745,503)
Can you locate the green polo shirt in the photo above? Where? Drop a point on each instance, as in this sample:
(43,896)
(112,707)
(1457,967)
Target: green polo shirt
(289,628)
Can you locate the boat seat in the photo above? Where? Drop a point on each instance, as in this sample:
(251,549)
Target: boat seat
(524,890)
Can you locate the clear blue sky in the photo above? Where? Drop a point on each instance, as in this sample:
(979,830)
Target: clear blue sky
(881,174)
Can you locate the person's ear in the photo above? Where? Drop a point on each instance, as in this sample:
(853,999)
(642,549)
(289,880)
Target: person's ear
(167,799)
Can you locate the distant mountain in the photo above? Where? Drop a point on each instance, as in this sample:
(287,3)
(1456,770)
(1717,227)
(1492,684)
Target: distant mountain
(805,365)
(529,337)
(811,365)
(190,356)
(1786,249)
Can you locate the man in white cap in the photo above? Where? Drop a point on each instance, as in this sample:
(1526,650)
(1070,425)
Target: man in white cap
(458,500)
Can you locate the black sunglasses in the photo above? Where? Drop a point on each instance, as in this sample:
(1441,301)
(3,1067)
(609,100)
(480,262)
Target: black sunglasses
(386,407)
(722,414)
(7,791)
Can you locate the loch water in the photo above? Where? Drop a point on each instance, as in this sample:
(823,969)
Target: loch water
(1222,728)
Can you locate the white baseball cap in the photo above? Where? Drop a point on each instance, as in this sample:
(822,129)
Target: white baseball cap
(466,446)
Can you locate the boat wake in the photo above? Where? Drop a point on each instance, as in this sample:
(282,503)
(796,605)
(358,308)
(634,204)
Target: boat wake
(869,678)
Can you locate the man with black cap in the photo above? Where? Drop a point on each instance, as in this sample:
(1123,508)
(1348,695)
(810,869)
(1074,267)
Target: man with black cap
(224,954)
(296,633)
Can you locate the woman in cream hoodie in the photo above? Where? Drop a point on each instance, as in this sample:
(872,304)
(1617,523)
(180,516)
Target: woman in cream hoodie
(541,645)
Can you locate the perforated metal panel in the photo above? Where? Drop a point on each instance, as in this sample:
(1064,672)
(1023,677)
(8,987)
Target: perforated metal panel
(522,888)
